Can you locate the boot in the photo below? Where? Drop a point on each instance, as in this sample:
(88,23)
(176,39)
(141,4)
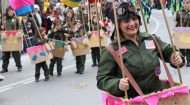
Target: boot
(4,70)
(93,65)
(19,69)
(188,64)
(46,79)
(51,73)
(37,80)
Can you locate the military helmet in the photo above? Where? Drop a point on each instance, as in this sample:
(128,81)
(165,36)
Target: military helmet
(187,1)
(7,11)
(125,11)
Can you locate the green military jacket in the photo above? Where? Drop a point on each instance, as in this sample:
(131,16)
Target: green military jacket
(142,62)
(12,23)
(39,41)
(60,34)
(185,18)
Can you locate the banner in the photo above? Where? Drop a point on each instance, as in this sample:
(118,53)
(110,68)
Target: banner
(22,7)
(71,3)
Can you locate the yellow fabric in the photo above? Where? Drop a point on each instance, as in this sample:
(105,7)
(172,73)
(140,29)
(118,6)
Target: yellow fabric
(70,3)
(46,4)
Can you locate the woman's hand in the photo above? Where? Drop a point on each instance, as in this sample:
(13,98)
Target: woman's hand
(176,59)
(124,84)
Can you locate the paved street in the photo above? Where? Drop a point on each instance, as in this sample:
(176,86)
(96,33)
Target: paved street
(19,88)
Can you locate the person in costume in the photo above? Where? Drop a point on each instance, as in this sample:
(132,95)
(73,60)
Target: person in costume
(139,55)
(40,41)
(11,23)
(58,33)
(183,20)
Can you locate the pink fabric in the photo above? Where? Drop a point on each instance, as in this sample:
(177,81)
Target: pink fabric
(16,4)
(95,33)
(79,39)
(9,33)
(138,99)
(35,49)
(150,100)
(104,97)
(122,50)
(168,94)
(111,100)
(183,90)
(165,81)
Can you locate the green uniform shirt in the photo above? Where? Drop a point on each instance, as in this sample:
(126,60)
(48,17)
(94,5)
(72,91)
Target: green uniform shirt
(39,41)
(142,62)
(12,23)
(60,34)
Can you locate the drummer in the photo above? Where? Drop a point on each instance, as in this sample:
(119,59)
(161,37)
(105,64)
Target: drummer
(140,56)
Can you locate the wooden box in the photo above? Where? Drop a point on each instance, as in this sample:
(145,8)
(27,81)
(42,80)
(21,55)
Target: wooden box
(80,46)
(94,39)
(181,37)
(12,40)
(59,50)
(39,54)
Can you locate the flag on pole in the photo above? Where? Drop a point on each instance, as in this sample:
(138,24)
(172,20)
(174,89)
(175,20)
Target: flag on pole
(22,7)
(71,3)
(93,1)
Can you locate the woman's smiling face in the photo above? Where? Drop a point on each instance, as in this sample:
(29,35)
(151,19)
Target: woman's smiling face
(130,26)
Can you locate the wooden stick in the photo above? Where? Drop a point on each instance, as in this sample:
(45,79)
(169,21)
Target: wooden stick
(36,25)
(89,15)
(119,43)
(84,27)
(181,22)
(2,10)
(170,34)
(142,13)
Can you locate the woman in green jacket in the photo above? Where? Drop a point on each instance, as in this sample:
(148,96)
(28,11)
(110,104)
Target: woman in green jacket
(140,57)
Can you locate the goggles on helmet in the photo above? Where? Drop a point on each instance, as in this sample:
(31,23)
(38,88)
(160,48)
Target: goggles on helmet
(124,10)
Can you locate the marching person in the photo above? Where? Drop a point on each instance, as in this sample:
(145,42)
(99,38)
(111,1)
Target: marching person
(176,5)
(147,9)
(43,65)
(11,23)
(28,29)
(95,51)
(58,33)
(183,20)
(140,57)
(80,60)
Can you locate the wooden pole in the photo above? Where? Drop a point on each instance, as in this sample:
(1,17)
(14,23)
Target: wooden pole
(89,15)
(2,7)
(142,13)
(119,43)
(36,25)
(84,27)
(170,34)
